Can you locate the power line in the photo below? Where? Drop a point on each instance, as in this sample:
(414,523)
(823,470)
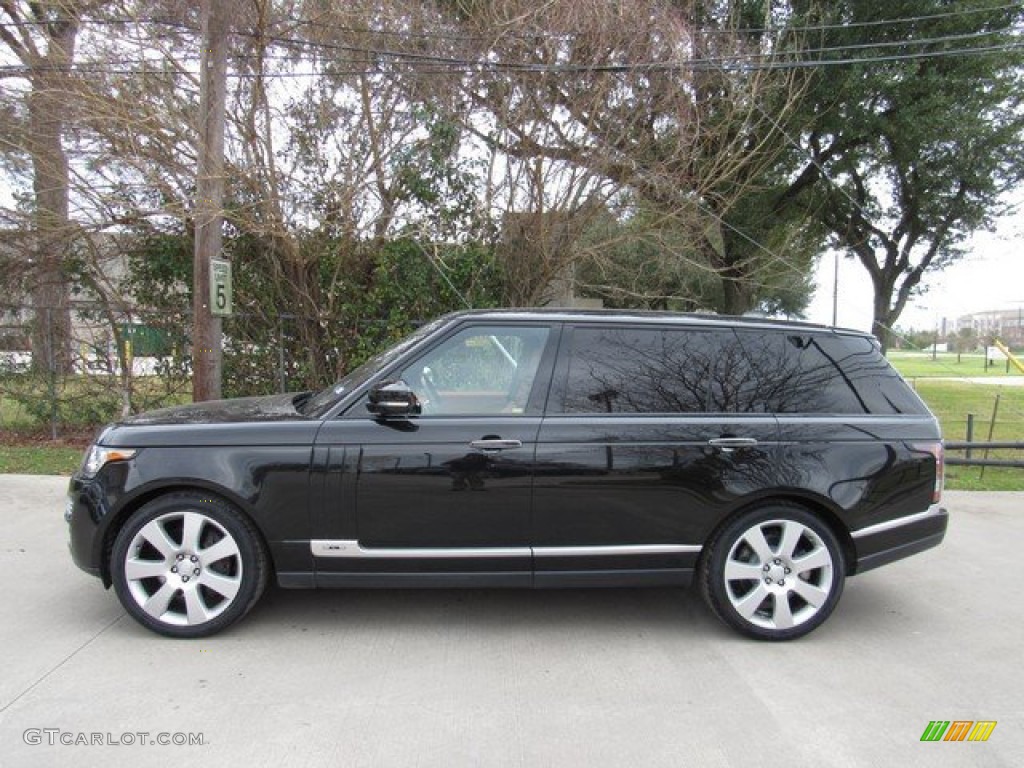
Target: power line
(893,58)
(197,58)
(96,66)
(452,66)
(960,13)
(751,61)
(527,66)
(407,34)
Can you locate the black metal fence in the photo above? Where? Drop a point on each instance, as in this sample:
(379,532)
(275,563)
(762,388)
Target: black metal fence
(1005,417)
(971,457)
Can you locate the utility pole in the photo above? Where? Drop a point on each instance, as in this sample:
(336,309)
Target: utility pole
(835,292)
(207,354)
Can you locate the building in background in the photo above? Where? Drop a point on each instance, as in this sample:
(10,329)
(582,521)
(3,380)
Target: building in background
(1004,324)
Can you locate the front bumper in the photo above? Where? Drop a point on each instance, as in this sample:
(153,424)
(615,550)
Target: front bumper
(895,539)
(88,512)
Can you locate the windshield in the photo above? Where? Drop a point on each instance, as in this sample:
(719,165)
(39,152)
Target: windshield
(323,401)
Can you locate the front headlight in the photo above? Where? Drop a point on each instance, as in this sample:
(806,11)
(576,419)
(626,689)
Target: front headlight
(98,456)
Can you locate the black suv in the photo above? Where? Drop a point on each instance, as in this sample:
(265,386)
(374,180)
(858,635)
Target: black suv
(513,448)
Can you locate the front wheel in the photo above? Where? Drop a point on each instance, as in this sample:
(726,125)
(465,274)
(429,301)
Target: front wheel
(774,573)
(188,565)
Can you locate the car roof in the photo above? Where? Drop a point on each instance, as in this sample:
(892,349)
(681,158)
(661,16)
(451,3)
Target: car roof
(647,317)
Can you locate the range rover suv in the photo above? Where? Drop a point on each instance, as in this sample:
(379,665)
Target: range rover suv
(763,461)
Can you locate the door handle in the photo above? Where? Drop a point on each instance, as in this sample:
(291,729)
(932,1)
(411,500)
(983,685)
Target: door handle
(496,444)
(730,444)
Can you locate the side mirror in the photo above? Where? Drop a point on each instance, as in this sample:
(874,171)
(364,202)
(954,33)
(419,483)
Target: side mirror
(393,398)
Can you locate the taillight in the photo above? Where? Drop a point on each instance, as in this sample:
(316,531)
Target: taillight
(938,452)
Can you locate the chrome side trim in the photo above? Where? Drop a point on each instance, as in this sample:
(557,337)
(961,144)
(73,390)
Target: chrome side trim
(351,548)
(625,549)
(899,522)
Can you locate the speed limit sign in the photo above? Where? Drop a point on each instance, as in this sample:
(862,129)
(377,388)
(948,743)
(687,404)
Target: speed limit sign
(220,287)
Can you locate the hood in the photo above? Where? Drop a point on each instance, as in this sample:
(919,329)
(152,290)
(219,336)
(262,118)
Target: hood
(242,409)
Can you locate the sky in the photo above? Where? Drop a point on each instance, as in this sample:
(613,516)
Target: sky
(990,276)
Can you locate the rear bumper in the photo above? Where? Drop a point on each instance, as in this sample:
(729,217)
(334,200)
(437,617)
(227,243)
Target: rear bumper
(899,538)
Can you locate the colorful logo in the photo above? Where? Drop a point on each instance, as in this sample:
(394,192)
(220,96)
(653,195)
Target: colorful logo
(958,730)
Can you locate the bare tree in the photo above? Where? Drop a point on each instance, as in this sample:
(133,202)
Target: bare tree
(42,37)
(643,95)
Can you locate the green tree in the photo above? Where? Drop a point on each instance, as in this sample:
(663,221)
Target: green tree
(913,129)
(966,339)
(647,260)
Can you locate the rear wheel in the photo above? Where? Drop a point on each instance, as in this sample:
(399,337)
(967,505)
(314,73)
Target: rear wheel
(774,573)
(188,565)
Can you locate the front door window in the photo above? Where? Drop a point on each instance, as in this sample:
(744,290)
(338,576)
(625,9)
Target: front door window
(480,371)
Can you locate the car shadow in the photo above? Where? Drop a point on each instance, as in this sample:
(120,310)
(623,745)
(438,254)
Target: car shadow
(484,610)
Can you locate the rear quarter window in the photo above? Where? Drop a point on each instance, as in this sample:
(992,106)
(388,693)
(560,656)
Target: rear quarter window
(826,373)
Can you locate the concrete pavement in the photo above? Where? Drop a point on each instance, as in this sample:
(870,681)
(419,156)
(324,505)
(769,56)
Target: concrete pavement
(514,678)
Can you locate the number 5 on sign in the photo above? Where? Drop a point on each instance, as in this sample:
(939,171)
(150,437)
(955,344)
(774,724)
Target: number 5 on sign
(220,287)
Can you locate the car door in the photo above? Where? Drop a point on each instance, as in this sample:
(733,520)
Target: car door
(443,496)
(651,437)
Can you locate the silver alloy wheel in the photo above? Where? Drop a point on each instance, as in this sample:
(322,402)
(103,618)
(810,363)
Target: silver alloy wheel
(183,568)
(778,574)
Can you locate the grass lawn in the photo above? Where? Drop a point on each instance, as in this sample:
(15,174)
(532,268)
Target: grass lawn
(913,365)
(13,415)
(39,459)
(951,402)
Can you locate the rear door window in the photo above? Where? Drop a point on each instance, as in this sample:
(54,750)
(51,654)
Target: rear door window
(655,370)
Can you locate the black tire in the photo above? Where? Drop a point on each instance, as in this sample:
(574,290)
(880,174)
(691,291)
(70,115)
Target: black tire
(188,565)
(773,573)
